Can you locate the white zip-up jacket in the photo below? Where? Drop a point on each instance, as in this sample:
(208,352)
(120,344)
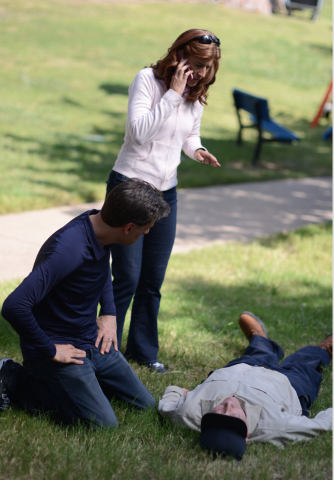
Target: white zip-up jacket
(159,124)
(271,404)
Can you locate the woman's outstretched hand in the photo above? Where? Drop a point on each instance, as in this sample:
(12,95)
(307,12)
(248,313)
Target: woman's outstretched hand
(203,156)
(180,77)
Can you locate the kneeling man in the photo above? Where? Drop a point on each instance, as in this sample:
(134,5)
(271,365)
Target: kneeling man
(72,366)
(253,398)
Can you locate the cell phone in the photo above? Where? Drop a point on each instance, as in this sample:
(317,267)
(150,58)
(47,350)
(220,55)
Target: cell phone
(180,57)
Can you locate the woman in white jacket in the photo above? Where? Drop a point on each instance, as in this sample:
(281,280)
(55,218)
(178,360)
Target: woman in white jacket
(164,115)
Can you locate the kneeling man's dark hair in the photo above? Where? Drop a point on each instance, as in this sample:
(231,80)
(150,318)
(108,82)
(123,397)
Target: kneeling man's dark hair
(134,201)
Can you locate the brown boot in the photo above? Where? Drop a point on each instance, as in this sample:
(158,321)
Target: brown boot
(327,345)
(251,325)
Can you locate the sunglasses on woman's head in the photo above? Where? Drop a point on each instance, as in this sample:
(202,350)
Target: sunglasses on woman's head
(207,39)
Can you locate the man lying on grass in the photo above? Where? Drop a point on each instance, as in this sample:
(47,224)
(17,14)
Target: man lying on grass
(253,398)
(72,365)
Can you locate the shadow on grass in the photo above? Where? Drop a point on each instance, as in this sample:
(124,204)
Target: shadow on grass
(90,161)
(310,157)
(322,49)
(290,237)
(87,160)
(215,308)
(114,89)
(72,103)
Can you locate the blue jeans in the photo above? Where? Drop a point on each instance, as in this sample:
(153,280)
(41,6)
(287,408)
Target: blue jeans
(80,392)
(301,368)
(138,270)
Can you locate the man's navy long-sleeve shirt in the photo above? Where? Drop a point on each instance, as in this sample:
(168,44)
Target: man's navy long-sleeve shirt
(57,303)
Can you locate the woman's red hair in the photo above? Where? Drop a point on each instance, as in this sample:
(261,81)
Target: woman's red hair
(165,68)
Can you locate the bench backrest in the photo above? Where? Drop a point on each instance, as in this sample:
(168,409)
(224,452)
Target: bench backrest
(253,105)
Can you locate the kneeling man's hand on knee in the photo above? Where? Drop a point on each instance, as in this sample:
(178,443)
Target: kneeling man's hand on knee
(107,330)
(68,354)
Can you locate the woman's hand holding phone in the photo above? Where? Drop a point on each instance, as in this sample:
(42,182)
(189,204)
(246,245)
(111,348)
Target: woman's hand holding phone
(180,57)
(180,77)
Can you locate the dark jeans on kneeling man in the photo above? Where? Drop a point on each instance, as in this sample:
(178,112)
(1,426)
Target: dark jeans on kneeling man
(73,393)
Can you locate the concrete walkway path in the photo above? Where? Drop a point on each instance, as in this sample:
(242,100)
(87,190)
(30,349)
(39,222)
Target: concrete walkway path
(238,212)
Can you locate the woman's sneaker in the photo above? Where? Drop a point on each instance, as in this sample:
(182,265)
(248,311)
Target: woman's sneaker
(4,400)
(157,367)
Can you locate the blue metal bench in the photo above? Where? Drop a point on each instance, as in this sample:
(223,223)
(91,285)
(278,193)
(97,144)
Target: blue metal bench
(328,134)
(259,115)
(314,5)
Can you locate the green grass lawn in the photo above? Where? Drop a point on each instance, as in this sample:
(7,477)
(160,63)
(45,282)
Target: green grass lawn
(285,279)
(66,68)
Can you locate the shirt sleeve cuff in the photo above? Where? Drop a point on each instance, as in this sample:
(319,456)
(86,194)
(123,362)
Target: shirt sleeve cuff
(173,98)
(109,311)
(51,353)
(198,148)
(174,389)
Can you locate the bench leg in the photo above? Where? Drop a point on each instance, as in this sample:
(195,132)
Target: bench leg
(239,138)
(314,15)
(257,152)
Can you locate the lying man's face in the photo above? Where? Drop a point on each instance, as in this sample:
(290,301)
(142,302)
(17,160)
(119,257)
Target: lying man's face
(231,407)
